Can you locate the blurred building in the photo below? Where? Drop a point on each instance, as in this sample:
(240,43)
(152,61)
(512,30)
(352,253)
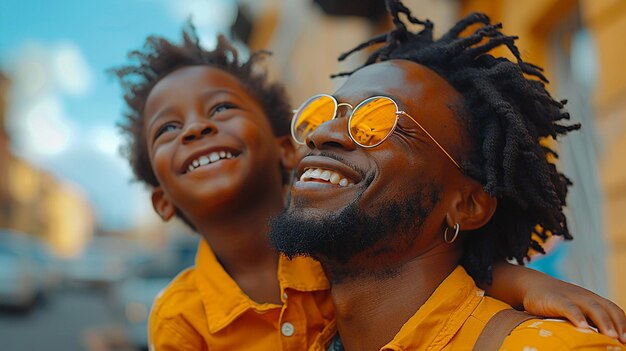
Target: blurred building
(36,203)
(4,149)
(579,43)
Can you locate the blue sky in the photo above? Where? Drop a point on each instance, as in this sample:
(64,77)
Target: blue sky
(63,105)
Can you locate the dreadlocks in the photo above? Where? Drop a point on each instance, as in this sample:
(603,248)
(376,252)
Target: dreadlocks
(161,57)
(509,111)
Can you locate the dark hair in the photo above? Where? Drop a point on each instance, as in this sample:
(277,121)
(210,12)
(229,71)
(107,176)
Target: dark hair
(508,112)
(160,57)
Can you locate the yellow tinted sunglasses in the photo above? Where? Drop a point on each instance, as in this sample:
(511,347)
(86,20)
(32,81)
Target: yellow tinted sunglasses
(370,123)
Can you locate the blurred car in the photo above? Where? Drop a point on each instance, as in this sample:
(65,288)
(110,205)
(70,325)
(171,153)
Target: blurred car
(27,270)
(135,295)
(102,264)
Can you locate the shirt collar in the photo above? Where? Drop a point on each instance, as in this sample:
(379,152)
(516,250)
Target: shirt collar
(224,300)
(439,319)
(302,274)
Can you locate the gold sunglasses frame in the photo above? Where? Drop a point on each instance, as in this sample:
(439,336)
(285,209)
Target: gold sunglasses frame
(352,109)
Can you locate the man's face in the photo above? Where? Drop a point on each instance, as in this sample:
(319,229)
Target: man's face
(210,144)
(394,191)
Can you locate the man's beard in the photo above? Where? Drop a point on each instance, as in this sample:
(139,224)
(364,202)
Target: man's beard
(338,237)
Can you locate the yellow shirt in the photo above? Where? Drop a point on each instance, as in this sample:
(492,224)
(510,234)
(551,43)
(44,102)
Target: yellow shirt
(455,314)
(204,309)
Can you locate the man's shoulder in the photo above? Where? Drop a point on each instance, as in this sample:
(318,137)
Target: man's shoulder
(556,334)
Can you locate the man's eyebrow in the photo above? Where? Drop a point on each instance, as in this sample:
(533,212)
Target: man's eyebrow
(364,94)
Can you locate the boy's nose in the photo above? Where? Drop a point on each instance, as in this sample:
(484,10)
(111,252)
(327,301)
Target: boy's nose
(198,129)
(333,133)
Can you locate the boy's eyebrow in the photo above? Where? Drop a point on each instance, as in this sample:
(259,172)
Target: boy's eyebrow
(211,93)
(205,95)
(159,114)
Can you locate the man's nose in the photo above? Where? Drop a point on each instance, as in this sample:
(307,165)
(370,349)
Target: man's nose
(331,134)
(198,128)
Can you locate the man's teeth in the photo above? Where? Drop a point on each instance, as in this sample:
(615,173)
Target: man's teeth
(207,159)
(326,175)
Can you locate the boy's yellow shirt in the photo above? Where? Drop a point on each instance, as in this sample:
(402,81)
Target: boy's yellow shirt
(204,309)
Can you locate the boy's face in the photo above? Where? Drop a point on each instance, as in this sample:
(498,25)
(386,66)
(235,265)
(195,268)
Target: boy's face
(210,144)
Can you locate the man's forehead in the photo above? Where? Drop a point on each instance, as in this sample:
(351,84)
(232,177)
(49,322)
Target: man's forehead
(401,79)
(419,91)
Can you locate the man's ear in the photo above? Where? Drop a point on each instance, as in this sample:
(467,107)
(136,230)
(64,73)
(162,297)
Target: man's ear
(162,204)
(288,157)
(471,208)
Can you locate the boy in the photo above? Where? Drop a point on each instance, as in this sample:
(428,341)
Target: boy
(210,137)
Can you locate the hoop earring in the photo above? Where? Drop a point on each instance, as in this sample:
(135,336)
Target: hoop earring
(456,234)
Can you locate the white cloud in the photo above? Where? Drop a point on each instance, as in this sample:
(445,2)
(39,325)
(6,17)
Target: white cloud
(31,73)
(41,76)
(70,69)
(46,131)
(216,14)
(106,140)
(41,70)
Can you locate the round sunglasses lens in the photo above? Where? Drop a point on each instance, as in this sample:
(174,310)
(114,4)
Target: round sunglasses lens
(311,114)
(373,120)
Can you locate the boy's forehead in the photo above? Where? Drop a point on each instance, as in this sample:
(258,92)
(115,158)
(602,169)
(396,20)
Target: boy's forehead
(190,81)
(193,77)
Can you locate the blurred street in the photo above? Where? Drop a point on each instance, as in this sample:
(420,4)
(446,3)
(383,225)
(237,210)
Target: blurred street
(71,320)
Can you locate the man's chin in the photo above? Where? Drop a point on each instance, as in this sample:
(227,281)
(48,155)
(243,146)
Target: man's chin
(324,235)
(288,237)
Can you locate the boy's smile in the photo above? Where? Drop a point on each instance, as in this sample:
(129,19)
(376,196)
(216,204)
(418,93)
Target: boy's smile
(207,158)
(210,143)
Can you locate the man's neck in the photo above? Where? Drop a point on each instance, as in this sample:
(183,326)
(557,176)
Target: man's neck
(371,309)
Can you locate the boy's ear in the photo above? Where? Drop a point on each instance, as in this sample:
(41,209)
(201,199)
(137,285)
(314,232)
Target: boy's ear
(288,156)
(162,204)
(471,208)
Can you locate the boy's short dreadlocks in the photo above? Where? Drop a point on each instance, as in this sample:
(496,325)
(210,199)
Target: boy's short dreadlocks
(160,57)
(507,116)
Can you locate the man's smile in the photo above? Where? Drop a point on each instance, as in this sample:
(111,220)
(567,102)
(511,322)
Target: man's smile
(324,175)
(326,170)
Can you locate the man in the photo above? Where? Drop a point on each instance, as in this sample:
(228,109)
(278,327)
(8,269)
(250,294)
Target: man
(424,167)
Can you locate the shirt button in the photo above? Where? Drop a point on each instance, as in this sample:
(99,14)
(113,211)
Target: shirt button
(287,329)
(285,295)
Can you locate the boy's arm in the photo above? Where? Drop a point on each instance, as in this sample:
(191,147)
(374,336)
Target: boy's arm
(540,294)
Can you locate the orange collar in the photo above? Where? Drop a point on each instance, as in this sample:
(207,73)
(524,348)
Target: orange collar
(439,319)
(224,300)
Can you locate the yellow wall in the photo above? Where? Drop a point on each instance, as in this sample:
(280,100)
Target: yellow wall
(35,203)
(606,20)
(4,148)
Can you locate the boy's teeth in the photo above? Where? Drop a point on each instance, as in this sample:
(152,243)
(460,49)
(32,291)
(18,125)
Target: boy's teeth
(214,156)
(326,175)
